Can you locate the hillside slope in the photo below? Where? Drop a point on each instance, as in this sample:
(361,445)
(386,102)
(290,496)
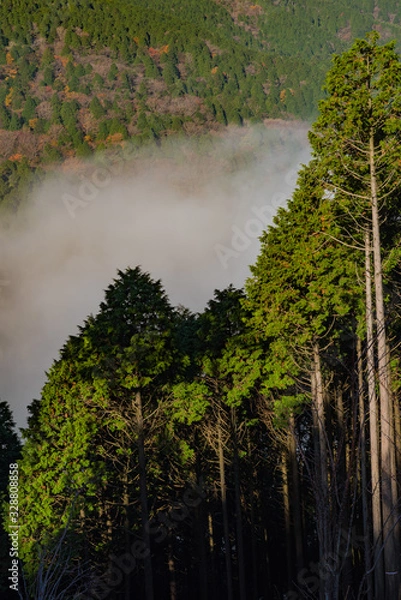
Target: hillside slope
(76,77)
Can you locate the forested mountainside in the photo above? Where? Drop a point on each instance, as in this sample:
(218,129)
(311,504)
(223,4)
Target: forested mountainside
(80,76)
(252,450)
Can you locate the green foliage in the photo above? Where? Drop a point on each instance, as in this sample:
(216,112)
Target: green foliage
(84,150)
(47,57)
(364,104)
(48,76)
(68,112)
(96,108)
(113,72)
(364,97)
(303,281)
(51,154)
(288,48)
(191,400)
(267,63)
(86,407)
(170,72)
(117,127)
(17,180)
(151,69)
(98,80)
(29,111)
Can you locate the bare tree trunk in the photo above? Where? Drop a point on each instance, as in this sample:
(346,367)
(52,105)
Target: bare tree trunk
(287,518)
(199,528)
(394,487)
(223,490)
(363,474)
(316,471)
(127,577)
(397,423)
(296,497)
(389,502)
(377,525)
(109,538)
(323,500)
(255,558)
(344,468)
(254,545)
(144,497)
(171,570)
(212,572)
(238,511)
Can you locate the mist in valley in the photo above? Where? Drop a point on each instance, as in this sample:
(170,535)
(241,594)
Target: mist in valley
(189,215)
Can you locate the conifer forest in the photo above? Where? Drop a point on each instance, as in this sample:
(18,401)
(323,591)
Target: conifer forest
(251,450)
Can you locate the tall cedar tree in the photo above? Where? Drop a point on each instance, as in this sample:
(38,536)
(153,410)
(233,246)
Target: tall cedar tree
(301,297)
(356,143)
(84,459)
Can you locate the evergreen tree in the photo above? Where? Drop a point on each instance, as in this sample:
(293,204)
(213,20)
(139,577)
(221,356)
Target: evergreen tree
(303,283)
(113,72)
(48,76)
(360,124)
(170,73)
(96,108)
(97,395)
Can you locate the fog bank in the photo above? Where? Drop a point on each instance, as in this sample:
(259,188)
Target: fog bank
(188,215)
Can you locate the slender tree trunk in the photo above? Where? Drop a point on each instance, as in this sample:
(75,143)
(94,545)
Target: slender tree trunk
(296,497)
(203,533)
(238,511)
(397,422)
(144,497)
(318,488)
(394,489)
(254,546)
(391,560)
(344,463)
(363,474)
(253,477)
(323,504)
(171,571)
(199,527)
(127,540)
(287,517)
(377,524)
(109,538)
(223,489)
(267,582)
(212,571)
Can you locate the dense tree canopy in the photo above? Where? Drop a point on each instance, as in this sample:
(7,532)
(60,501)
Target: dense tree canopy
(249,61)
